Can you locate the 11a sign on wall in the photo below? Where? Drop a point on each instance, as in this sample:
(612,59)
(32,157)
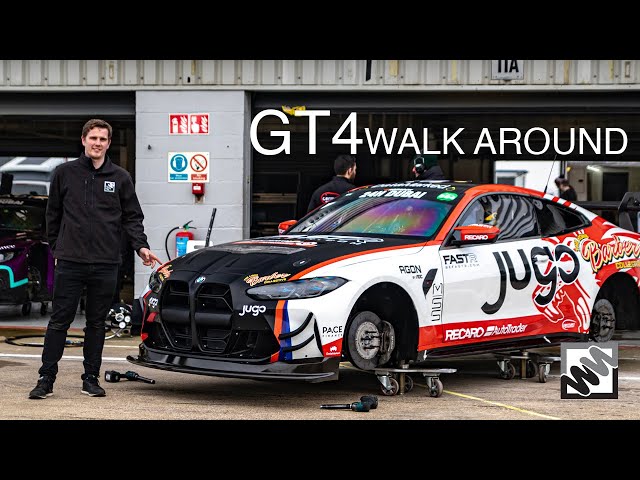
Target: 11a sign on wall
(188,167)
(189,124)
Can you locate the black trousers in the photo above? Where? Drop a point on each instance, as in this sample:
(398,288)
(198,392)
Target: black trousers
(70,278)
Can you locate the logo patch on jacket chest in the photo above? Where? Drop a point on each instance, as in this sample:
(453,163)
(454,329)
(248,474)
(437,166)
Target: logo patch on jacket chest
(109,186)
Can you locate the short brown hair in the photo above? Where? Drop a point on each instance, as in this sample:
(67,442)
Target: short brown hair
(342,163)
(96,123)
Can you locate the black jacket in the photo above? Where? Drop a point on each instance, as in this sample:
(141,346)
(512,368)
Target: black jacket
(432,173)
(330,190)
(569,194)
(89,209)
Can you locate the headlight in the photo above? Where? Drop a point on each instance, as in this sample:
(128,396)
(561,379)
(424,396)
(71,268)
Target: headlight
(6,256)
(157,278)
(307,288)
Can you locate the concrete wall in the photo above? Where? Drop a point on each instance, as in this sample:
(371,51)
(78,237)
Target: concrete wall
(351,75)
(539,173)
(167,205)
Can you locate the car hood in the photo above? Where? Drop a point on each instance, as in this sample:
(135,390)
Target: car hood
(284,254)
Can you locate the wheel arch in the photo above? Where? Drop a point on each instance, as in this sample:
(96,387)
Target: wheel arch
(623,293)
(392,303)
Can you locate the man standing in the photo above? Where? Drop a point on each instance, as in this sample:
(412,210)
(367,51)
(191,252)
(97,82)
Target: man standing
(91,201)
(344,167)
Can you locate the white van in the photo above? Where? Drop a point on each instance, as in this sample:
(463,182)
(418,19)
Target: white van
(32,174)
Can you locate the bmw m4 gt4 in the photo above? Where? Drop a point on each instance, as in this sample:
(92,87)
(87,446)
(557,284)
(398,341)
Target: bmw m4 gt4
(390,274)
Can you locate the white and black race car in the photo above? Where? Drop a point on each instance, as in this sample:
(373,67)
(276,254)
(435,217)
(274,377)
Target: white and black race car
(390,274)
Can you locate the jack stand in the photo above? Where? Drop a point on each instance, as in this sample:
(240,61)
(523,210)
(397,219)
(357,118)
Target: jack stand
(531,365)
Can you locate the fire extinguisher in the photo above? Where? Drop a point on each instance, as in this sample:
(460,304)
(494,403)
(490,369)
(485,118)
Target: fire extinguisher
(182,238)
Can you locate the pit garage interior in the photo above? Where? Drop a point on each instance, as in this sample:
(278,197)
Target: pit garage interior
(49,125)
(283,184)
(39,124)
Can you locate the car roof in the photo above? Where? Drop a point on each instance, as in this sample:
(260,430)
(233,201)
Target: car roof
(33,164)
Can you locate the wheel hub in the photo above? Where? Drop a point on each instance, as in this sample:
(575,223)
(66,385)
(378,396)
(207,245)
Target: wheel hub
(367,340)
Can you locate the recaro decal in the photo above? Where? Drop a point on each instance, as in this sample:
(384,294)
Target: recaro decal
(549,279)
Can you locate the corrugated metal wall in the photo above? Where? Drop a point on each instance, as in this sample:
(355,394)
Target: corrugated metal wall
(311,74)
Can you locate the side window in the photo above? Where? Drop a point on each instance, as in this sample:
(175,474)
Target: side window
(512,214)
(556,220)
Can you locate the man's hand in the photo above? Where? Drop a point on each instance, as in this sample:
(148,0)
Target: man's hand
(149,259)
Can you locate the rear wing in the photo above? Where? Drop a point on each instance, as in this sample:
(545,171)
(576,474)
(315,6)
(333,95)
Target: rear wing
(630,203)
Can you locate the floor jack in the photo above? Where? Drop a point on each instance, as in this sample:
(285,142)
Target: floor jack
(531,365)
(396,381)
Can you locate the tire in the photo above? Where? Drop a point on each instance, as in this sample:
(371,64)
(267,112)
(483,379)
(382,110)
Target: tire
(363,340)
(603,321)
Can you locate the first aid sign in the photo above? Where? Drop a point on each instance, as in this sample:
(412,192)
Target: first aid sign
(188,167)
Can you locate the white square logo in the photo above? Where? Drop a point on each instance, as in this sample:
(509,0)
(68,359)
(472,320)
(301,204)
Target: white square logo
(109,186)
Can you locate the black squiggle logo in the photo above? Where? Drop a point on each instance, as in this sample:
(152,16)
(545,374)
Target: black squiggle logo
(590,371)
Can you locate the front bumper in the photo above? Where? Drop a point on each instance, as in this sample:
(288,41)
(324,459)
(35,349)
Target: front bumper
(326,369)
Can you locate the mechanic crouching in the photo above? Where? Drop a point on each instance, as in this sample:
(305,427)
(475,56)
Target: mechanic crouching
(91,201)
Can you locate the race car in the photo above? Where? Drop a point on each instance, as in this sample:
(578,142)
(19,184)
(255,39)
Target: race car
(26,263)
(394,274)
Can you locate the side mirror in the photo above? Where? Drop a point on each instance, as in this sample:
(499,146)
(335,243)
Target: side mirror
(286,225)
(477,233)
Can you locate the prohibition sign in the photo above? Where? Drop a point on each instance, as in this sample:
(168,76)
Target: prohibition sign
(198,163)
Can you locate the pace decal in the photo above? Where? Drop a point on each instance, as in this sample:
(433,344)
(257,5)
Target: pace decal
(548,281)
(332,331)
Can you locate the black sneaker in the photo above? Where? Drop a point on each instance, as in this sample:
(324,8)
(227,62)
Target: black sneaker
(91,386)
(43,389)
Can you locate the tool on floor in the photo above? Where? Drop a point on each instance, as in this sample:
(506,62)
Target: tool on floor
(112,376)
(355,406)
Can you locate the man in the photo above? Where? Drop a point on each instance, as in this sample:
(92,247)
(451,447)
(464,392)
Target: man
(91,201)
(567,192)
(425,167)
(344,167)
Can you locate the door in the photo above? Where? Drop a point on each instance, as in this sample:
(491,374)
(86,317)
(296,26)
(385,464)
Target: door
(488,288)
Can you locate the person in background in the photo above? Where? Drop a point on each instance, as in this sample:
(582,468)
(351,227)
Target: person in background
(567,192)
(558,181)
(344,167)
(425,167)
(91,201)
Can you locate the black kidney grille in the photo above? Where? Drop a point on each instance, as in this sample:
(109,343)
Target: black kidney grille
(179,336)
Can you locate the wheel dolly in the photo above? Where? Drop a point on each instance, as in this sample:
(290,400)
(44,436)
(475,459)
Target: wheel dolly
(396,381)
(531,365)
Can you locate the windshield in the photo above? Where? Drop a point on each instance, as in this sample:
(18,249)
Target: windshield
(21,217)
(29,189)
(388,211)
